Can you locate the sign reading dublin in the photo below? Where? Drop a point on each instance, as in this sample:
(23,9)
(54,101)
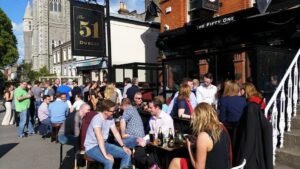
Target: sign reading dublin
(87,29)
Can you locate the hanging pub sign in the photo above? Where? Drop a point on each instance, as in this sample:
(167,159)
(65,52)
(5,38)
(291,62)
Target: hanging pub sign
(211,5)
(87,29)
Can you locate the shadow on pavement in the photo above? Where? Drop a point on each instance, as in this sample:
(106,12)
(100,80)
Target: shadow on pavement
(6,148)
(68,160)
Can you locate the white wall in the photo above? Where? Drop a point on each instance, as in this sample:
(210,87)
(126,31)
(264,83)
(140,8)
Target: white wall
(132,43)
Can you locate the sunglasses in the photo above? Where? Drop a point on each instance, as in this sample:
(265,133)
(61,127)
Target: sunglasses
(139,98)
(112,111)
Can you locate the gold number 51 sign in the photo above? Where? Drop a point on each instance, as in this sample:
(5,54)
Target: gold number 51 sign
(88,31)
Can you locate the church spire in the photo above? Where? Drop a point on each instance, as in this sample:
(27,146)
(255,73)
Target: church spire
(28,11)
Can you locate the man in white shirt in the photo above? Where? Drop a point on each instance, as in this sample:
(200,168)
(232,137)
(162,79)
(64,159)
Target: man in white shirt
(127,85)
(158,120)
(206,92)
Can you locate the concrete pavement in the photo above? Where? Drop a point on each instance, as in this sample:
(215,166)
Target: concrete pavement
(31,152)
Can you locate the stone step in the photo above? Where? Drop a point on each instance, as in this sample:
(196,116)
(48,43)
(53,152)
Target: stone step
(292,139)
(281,166)
(289,157)
(295,122)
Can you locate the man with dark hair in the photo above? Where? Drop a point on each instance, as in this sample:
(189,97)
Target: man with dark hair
(64,88)
(75,91)
(96,145)
(37,93)
(127,85)
(206,92)
(59,109)
(133,89)
(49,91)
(22,103)
(43,114)
(192,97)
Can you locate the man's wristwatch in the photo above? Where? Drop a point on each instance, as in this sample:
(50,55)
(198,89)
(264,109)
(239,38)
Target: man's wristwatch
(123,145)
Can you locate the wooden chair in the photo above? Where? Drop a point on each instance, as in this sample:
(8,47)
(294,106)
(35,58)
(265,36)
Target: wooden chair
(241,166)
(92,164)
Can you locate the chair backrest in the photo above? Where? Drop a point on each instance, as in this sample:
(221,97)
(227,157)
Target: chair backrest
(241,166)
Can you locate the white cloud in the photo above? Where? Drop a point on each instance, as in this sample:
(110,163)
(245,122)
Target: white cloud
(18,31)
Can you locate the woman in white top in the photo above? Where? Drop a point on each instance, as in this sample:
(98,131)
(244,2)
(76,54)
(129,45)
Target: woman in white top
(9,115)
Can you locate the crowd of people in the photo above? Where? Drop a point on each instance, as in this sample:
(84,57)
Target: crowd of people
(228,122)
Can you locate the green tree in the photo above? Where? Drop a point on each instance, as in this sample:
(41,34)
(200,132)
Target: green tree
(8,42)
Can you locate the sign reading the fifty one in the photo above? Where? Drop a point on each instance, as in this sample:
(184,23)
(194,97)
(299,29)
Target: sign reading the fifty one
(87,29)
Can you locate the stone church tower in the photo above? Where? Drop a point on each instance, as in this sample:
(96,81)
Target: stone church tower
(27,28)
(50,27)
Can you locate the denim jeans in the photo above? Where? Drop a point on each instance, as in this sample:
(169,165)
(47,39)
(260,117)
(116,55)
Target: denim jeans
(45,126)
(130,142)
(36,108)
(115,151)
(23,119)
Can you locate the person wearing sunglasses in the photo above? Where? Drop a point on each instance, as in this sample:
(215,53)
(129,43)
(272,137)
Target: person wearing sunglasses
(96,142)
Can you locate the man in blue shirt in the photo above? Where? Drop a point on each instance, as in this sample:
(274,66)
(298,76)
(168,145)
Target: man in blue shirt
(131,124)
(64,88)
(58,110)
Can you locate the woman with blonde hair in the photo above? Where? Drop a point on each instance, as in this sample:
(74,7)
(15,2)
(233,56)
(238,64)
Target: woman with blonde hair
(253,140)
(182,107)
(212,142)
(110,93)
(231,106)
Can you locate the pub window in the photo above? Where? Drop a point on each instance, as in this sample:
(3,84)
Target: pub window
(55,6)
(53,44)
(58,57)
(54,58)
(69,54)
(65,55)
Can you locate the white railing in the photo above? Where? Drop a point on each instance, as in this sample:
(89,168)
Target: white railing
(287,105)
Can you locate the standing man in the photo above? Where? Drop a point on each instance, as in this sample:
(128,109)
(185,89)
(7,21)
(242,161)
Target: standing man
(127,85)
(75,91)
(37,91)
(49,91)
(131,124)
(133,89)
(206,92)
(22,103)
(56,85)
(64,88)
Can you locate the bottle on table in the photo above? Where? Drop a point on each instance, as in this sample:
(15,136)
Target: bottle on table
(160,137)
(171,139)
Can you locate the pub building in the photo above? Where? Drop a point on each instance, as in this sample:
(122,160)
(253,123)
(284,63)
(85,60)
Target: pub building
(229,38)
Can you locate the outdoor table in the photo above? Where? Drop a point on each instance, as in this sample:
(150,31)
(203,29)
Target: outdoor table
(165,154)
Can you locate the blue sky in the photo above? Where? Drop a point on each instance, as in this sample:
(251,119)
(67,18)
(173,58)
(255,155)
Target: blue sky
(14,9)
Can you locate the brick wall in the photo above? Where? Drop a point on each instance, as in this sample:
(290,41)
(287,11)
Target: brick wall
(230,6)
(177,17)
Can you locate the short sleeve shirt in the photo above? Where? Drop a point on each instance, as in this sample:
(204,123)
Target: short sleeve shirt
(134,123)
(37,92)
(97,122)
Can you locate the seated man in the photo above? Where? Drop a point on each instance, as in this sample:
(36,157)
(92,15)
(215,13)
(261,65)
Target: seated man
(131,124)
(138,102)
(70,129)
(58,110)
(96,145)
(158,120)
(43,114)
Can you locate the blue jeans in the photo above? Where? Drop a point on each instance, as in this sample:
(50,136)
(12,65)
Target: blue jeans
(23,118)
(130,142)
(36,108)
(116,151)
(45,126)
